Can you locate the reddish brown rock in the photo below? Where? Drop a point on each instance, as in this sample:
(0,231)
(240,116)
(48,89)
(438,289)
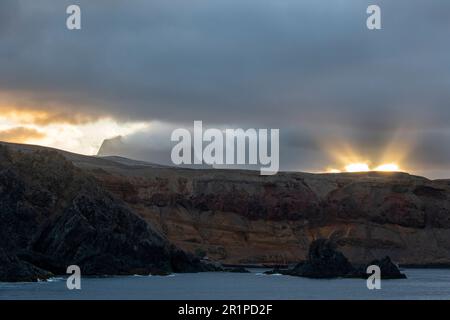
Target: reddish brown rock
(241,217)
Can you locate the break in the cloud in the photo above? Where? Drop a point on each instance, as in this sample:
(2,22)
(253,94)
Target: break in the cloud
(310,68)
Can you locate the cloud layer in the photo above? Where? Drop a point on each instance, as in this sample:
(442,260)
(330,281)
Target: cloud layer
(310,68)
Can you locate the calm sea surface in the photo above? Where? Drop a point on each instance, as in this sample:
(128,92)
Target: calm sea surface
(421,284)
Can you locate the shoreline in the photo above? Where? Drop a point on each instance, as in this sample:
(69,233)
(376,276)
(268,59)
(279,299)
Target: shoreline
(64,277)
(286,266)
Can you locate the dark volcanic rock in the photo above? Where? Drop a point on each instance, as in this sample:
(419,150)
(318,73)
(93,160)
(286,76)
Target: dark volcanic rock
(324,261)
(14,270)
(183,262)
(388,269)
(53,215)
(237,270)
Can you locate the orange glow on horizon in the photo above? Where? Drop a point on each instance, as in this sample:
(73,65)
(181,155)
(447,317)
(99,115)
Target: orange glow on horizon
(357,167)
(75,133)
(347,154)
(364,167)
(390,167)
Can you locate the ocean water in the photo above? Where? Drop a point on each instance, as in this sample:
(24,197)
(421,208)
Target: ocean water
(421,284)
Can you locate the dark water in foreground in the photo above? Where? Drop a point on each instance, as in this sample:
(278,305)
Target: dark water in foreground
(421,284)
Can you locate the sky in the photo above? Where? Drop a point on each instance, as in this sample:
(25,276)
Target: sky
(338,92)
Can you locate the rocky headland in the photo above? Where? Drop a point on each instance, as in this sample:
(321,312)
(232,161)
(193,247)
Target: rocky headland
(54,215)
(240,217)
(119,216)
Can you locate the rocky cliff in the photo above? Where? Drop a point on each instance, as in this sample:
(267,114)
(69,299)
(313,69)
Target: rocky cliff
(240,217)
(52,215)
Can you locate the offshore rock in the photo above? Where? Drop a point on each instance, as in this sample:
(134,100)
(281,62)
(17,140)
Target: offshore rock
(324,261)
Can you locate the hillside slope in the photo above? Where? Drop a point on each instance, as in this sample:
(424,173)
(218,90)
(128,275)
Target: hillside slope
(52,215)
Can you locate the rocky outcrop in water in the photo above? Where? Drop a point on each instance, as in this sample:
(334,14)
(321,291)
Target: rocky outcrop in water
(325,261)
(388,269)
(237,270)
(53,215)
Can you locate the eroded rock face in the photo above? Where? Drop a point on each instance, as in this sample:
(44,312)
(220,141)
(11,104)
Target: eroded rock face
(241,217)
(53,215)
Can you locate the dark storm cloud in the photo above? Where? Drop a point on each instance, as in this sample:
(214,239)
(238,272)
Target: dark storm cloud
(309,67)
